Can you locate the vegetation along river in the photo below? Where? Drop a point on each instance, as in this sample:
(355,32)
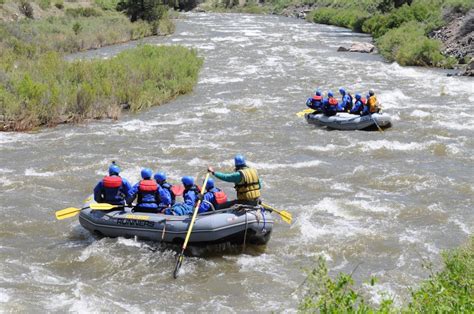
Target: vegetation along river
(383,201)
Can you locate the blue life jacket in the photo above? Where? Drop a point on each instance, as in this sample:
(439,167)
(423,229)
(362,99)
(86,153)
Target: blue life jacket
(190,195)
(358,107)
(168,187)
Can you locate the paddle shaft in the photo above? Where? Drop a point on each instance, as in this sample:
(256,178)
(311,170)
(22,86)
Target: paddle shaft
(188,234)
(376,124)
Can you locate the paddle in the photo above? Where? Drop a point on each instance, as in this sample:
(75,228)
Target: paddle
(376,124)
(286,216)
(68,212)
(73,211)
(303,112)
(180,258)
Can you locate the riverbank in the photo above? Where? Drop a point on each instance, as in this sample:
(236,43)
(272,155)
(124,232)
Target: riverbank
(39,88)
(425,33)
(448,291)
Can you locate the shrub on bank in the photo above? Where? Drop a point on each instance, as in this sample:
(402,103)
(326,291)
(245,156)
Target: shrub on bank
(448,291)
(50,90)
(349,18)
(408,45)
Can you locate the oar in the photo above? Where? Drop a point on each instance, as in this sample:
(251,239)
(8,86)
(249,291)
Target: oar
(303,112)
(68,212)
(180,258)
(73,211)
(286,216)
(376,124)
(103,206)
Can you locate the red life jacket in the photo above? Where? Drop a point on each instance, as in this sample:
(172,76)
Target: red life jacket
(112,182)
(332,101)
(220,197)
(148,186)
(318,98)
(364,101)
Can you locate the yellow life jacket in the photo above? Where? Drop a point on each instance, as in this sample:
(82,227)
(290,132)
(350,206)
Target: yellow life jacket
(372,103)
(248,189)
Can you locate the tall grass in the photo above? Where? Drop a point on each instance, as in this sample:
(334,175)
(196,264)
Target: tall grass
(50,90)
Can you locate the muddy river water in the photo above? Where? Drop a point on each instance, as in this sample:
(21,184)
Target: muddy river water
(383,201)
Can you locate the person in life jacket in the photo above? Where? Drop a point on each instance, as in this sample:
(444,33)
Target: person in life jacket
(358,105)
(346,101)
(246,180)
(213,198)
(316,102)
(366,110)
(112,189)
(330,105)
(145,191)
(190,196)
(372,102)
(166,196)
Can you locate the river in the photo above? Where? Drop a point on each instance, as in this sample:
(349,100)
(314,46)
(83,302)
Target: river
(383,201)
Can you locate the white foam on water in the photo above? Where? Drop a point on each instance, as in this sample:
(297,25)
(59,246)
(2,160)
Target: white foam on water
(130,242)
(340,228)
(327,148)
(456,124)
(220,80)
(45,277)
(371,206)
(464,228)
(5,182)
(4,296)
(33,173)
(135,125)
(381,291)
(420,114)
(220,110)
(392,145)
(296,165)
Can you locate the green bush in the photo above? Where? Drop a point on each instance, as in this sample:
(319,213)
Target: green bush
(59,4)
(326,295)
(341,17)
(77,28)
(452,289)
(110,5)
(408,45)
(448,291)
(84,12)
(25,8)
(45,90)
(420,11)
(44,4)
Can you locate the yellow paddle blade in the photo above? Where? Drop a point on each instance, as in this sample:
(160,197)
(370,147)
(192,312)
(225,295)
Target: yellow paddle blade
(103,206)
(67,213)
(303,112)
(285,216)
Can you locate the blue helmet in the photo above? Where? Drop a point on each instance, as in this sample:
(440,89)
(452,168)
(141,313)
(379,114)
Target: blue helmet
(358,96)
(114,169)
(342,91)
(317,92)
(146,173)
(160,176)
(187,181)
(210,183)
(330,94)
(239,160)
